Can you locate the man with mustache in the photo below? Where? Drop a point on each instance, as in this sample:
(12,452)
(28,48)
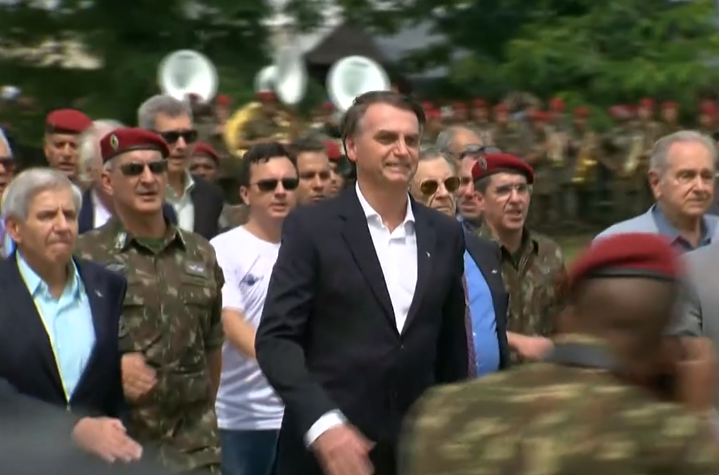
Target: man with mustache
(249,412)
(62,128)
(682,169)
(532,264)
(435,184)
(197,202)
(170,331)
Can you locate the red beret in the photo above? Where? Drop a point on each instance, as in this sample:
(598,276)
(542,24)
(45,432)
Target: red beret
(127,140)
(627,255)
(67,121)
(459,106)
(223,100)
(501,162)
(501,107)
(556,104)
(669,105)
(333,150)
(647,103)
(203,148)
(266,96)
(581,112)
(328,106)
(479,103)
(433,114)
(540,116)
(708,108)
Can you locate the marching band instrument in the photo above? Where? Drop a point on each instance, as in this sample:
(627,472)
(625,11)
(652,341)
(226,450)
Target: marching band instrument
(586,162)
(287,78)
(353,76)
(187,72)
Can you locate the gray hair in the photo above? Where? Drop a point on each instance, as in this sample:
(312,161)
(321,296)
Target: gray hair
(432,152)
(28,184)
(660,153)
(161,104)
(87,140)
(4,141)
(446,137)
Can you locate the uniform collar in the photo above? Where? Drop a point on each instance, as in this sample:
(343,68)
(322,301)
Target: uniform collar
(121,239)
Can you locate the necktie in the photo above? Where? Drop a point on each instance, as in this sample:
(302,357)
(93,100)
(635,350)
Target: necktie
(472,370)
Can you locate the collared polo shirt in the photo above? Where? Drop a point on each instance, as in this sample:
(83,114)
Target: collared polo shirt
(665,228)
(67,321)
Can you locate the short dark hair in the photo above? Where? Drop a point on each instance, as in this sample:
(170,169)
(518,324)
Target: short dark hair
(261,153)
(308,143)
(353,116)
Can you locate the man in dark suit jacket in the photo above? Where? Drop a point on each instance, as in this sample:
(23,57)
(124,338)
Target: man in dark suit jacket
(208,202)
(357,325)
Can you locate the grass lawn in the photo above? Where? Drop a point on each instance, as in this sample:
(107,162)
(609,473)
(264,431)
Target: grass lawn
(572,245)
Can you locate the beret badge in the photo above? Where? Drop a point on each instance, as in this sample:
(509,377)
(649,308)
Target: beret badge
(114,142)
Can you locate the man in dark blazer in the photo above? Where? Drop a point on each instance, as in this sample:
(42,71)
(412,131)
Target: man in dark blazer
(361,317)
(207,203)
(435,184)
(44,291)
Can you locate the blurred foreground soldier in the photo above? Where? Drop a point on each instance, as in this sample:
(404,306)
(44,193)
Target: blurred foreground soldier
(62,128)
(170,332)
(38,438)
(615,396)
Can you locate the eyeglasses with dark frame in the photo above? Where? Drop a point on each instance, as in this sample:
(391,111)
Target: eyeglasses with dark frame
(172,136)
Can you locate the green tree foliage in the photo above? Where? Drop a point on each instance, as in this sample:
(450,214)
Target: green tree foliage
(130,38)
(586,51)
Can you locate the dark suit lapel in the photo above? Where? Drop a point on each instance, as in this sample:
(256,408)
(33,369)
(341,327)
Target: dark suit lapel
(425,253)
(200,209)
(87,214)
(359,240)
(28,319)
(98,307)
(487,265)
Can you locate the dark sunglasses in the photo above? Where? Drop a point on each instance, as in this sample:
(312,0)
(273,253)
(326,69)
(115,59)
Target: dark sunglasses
(430,187)
(270,184)
(172,136)
(477,151)
(137,169)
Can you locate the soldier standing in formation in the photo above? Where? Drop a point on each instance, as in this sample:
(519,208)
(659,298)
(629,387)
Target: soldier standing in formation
(171,332)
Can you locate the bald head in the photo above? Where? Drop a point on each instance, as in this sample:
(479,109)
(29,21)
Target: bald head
(455,140)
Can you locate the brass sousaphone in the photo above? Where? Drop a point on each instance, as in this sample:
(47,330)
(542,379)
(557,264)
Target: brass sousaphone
(287,77)
(353,76)
(186,72)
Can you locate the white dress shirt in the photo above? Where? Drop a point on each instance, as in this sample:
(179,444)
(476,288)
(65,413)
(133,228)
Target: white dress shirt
(184,207)
(100,214)
(397,254)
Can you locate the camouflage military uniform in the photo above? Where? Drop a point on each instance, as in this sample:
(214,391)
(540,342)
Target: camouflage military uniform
(551,419)
(171,314)
(621,145)
(532,277)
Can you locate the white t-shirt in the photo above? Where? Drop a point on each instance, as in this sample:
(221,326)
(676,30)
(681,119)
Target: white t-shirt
(245,400)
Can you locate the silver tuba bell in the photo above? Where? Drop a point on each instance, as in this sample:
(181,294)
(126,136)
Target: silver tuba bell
(265,79)
(186,72)
(291,79)
(353,76)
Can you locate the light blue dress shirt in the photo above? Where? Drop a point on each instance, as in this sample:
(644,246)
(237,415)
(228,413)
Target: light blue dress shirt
(67,321)
(484,321)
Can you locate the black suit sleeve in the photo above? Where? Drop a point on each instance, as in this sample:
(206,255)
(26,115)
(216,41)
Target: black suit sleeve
(452,352)
(282,331)
(116,406)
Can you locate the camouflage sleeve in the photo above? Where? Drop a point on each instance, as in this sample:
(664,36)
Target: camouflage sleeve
(560,294)
(214,335)
(691,445)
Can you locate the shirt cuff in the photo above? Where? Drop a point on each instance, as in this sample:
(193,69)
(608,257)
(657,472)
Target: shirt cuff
(323,424)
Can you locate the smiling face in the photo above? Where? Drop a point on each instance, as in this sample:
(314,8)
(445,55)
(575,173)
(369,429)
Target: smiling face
(386,146)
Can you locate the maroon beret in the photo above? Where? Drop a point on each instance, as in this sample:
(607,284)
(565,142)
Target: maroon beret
(333,150)
(67,121)
(203,148)
(501,162)
(627,255)
(126,140)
